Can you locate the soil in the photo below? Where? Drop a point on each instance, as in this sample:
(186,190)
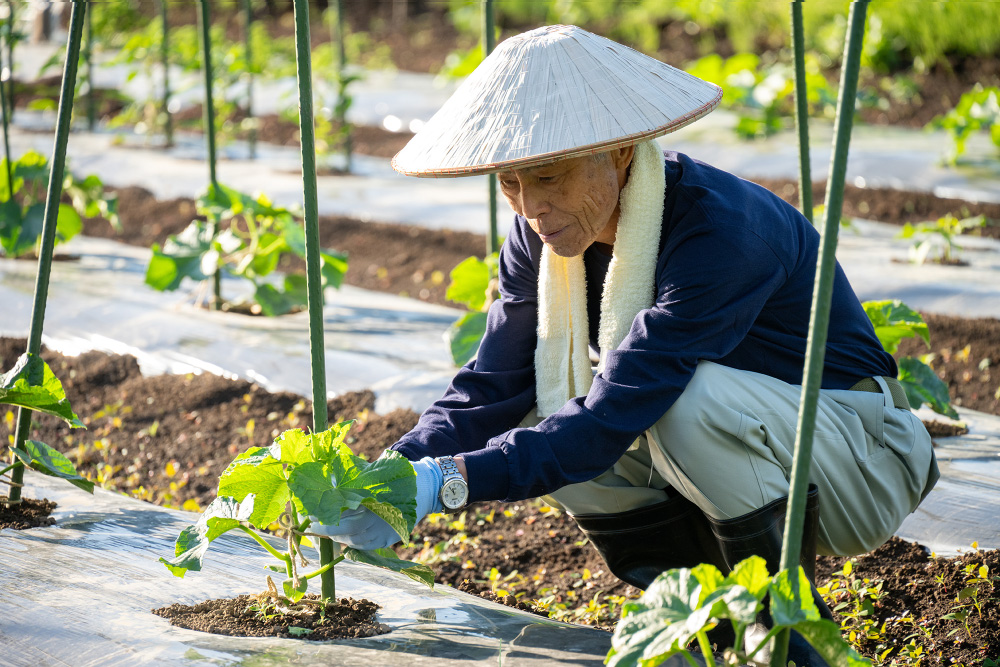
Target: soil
(30,513)
(346,619)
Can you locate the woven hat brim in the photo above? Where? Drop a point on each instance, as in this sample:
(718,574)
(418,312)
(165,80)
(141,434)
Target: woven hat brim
(545,158)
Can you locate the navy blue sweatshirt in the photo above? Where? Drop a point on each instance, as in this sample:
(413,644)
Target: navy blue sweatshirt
(734,284)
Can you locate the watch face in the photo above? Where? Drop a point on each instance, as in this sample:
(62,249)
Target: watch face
(454,494)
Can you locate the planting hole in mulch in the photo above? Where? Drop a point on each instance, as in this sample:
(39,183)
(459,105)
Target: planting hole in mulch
(29,513)
(243,616)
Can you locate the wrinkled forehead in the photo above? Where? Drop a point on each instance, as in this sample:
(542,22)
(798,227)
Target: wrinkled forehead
(562,164)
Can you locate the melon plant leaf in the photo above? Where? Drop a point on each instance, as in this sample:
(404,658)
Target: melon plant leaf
(752,575)
(388,559)
(31,384)
(68,223)
(316,496)
(894,320)
(826,638)
(465,335)
(221,516)
(30,229)
(293,592)
(293,446)
(272,302)
(785,608)
(390,482)
(333,267)
(262,476)
(922,385)
(469,282)
(181,257)
(48,461)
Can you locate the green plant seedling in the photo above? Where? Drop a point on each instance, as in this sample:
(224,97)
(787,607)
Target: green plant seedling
(22,204)
(682,605)
(935,241)
(893,321)
(257,235)
(31,384)
(474,285)
(978,109)
(298,476)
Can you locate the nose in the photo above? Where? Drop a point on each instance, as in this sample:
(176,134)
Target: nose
(534,202)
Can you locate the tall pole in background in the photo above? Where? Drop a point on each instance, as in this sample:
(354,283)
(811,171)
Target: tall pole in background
(6,137)
(168,121)
(819,320)
(10,58)
(489,41)
(248,22)
(88,56)
(209,120)
(49,222)
(802,111)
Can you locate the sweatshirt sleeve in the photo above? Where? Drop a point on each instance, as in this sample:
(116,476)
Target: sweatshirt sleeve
(712,282)
(494,391)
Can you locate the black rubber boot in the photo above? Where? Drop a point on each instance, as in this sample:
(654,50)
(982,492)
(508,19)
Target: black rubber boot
(641,544)
(760,533)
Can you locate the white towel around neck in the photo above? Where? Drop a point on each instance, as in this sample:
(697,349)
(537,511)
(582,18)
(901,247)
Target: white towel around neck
(562,359)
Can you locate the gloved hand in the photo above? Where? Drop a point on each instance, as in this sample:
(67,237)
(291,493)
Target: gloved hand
(363,529)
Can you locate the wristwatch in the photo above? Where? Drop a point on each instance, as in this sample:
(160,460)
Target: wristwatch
(454,490)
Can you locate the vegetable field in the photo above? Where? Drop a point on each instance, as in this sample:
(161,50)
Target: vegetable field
(225,164)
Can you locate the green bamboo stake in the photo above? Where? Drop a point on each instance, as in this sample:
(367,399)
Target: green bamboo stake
(168,121)
(10,57)
(6,135)
(88,58)
(802,111)
(819,319)
(209,116)
(489,41)
(53,195)
(247,22)
(314,288)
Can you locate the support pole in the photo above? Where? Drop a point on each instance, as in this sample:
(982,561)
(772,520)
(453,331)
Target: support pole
(10,58)
(314,287)
(88,56)
(209,120)
(341,88)
(6,134)
(489,41)
(53,195)
(822,295)
(247,23)
(802,111)
(168,121)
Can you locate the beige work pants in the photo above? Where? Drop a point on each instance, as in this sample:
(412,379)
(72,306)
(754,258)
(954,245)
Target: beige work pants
(727,445)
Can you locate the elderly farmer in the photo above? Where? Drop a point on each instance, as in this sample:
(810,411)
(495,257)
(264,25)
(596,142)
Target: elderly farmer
(692,288)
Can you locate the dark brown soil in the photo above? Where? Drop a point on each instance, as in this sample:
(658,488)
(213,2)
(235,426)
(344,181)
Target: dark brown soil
(240,617)
(29,513)
(911,594)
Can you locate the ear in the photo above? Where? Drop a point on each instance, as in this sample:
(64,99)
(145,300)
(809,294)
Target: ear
(622,159)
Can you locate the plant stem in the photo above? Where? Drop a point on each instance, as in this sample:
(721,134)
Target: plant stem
(706,649)
(820,316)
(264,543)
(168,122)
(204,18)
(323,569)
(48,236)
(690,659)
(314,288)
(802,111)
(489,40)
(247,22)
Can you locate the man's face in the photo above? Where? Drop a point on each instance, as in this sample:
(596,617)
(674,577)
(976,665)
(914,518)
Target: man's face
(571,203)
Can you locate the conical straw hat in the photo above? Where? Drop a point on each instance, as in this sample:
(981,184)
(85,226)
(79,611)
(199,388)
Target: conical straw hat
(554,92)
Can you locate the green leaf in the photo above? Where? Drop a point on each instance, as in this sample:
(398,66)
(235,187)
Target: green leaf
(465,335)
(389,481)
(296,631)
(31,229)
(826,638)
(272,302)
(222,515)
(317,496)
(296,289)
(388,559)
(68,223)
(256,472)
(181,257)
(293,592)
(333,267)
(293,446)
(39,456)
(469,282)
(922,385)
(32,384)
(787,608)
(751,574)
(893,321)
